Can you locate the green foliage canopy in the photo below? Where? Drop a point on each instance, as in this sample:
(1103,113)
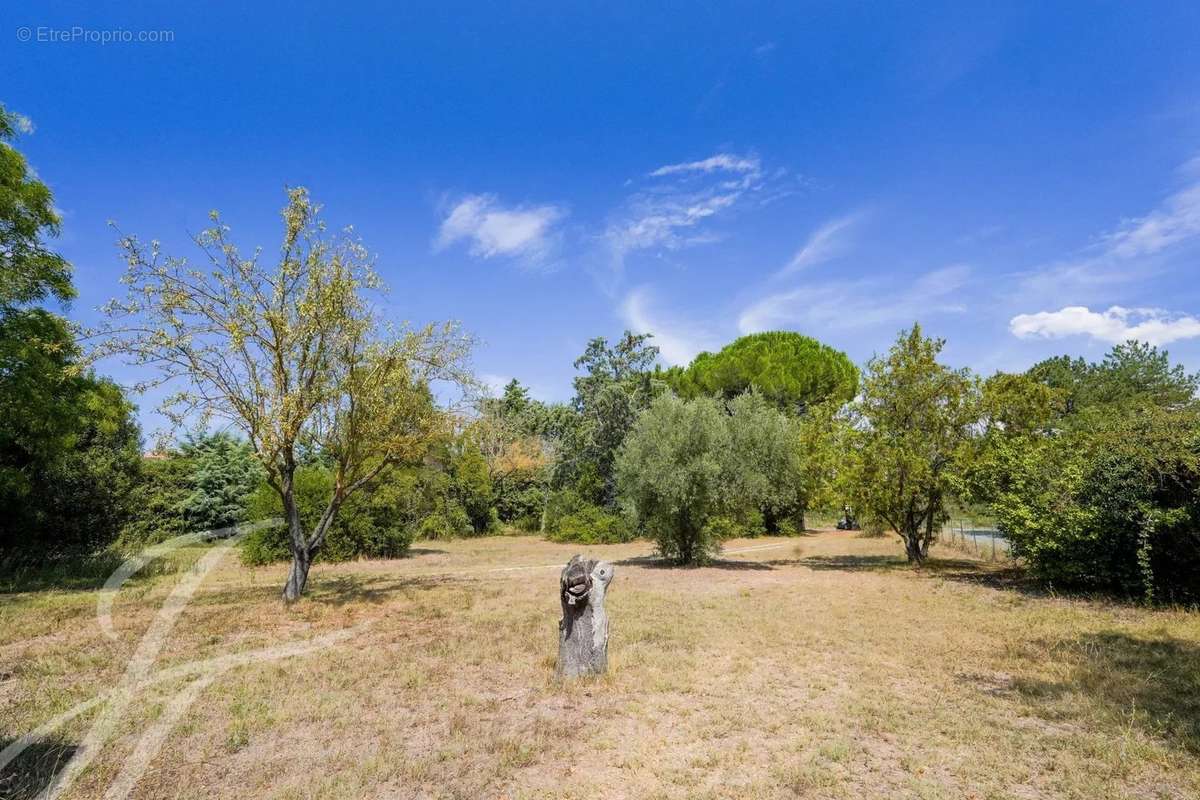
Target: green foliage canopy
(673,476)
(913,421)
(790,370)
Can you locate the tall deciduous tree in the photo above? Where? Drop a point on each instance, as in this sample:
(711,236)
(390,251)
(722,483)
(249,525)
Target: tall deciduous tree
(292,354)
(68,443)
(615,387)
(29,270)
(914,417)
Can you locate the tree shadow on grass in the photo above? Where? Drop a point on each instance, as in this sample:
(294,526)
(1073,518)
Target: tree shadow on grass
(1150,683)
(337,590)
(423,551)
(852,563)
(655,562)
(963,570)
(1006,577)
(340,590)
(34,769)
(79,573)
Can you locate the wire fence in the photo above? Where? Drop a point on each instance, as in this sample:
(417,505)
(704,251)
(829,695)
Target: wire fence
(971,536)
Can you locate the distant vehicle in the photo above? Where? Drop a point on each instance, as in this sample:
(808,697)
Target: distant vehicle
(848,522)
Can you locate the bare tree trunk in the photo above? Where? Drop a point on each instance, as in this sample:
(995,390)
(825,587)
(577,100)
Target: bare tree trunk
(298,576)
(912,547)
(301,557)
(583,629)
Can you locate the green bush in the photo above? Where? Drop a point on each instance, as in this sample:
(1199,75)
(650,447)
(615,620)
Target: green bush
(1099,488)
(528,523)
(473,490)
(592,525)
(448,522)
(718,529)
(224,474)
(790,527)
(156,503)
(369,525)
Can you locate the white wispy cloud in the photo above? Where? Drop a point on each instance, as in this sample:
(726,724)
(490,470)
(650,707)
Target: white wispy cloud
(1139,247)
(671,212)
(1151,325)
(678,342)
(494,230)
(1175,221)
(826,242)
(721,161)
(847,305)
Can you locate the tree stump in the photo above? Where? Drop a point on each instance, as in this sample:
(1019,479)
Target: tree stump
(583,629)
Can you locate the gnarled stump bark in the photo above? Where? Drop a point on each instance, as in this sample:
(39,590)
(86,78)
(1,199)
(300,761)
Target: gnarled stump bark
(583,629)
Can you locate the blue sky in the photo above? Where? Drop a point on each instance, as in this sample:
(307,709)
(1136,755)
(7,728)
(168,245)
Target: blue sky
(1023,181)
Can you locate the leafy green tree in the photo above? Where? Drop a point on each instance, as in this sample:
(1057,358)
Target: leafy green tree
(224,474)
(914,418)
(616,387)
(1130,373)
(790,370)
(1091,472)
(293,355)
(765,464)
(674,478)
(157,501)
(68,443)
(29,271)
(473,487)
(76,501)
(519,438)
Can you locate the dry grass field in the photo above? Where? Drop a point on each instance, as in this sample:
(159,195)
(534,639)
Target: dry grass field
(819,666)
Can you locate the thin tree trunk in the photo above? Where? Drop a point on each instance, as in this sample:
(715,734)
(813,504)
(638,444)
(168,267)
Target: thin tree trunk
(298,576)
(912,547)
(301,556)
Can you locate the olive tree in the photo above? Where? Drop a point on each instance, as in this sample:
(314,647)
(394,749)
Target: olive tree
(913,419)
(673,475)
(765,463)
(290,352)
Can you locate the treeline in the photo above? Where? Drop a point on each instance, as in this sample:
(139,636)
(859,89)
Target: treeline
(1092,470)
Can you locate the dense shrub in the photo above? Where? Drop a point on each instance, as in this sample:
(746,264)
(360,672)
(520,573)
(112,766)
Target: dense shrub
(448,522)
(157,501)
(1097,483)
(570,517)
(368,525)
(472,490)
(72,499)
(592,525)
(1113,506)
